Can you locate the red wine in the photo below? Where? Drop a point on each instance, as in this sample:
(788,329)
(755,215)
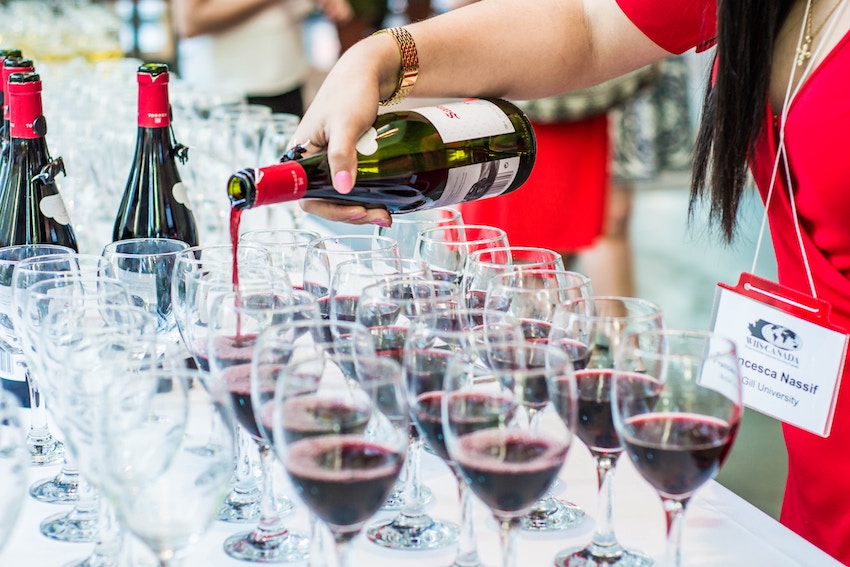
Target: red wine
(389,342)
(486,411)
(410,160)
(32,208)
(509,470)
(237,377)
(343,308)
(313,416)
(343,479)
(379,314)
(678,453)
(155,203)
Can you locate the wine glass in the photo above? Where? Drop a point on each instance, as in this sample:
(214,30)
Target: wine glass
(341,441)
(286,247)
(676,404)
(508,461)
(388,309)
(325,254)
(13,464)
(78,342)
(146,265)
(595,328)
(44,448)
(63,487)
(428,349)
(406,228)
(532,296)
(236,319)
(352,276)
(164,492)
(445,249)
(482,265)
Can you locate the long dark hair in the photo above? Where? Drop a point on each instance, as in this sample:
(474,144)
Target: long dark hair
(733,111)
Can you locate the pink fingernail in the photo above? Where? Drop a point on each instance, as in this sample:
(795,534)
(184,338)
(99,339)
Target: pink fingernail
(357,216)
(342,182)
(381,222)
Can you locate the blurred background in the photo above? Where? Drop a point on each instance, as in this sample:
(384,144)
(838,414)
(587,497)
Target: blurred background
(87,52)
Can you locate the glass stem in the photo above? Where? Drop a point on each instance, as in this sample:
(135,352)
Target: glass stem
(604,541)
(343,549)
(675,511)
(508,539)
(317,542)
(467,554)
(412,505)
(110,538)
(269,525)
(38,416)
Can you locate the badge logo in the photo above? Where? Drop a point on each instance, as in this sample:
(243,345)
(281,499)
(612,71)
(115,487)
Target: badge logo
(777,335)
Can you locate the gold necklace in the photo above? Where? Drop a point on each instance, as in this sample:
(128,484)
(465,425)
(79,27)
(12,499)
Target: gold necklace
(804,53)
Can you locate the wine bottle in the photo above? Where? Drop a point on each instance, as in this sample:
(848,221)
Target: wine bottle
(410,160)
(155,204)
(11,63)
(31,209)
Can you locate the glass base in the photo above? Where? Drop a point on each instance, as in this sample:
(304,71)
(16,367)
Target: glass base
(413,533)
(71,527)
(396,498)
(60,489)
(551,514)
(587,558)
(244,507)
(285,547)
(45,450)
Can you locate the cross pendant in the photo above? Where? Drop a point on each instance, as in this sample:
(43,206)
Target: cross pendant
(803,55)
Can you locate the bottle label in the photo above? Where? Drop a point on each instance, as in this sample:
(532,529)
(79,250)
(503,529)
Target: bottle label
(52,206)
(181,195)
(478,181)
(467,120)
(286,181)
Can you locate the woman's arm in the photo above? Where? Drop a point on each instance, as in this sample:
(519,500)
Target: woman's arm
(506,48)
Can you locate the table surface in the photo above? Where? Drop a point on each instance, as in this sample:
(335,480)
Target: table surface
(721,529)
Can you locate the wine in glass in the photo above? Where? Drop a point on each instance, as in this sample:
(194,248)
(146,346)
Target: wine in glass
(341,441)
(596,327)
(508,461)
(676,405)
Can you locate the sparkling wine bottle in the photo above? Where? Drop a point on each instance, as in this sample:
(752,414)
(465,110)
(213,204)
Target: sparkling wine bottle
(31,209)
(10,62)
(155,204)
(410,160)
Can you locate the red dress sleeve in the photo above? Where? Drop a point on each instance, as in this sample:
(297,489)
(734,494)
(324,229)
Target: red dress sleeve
(675,25)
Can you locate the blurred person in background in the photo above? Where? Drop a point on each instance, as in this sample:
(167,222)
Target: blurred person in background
(250,48)
(368,17)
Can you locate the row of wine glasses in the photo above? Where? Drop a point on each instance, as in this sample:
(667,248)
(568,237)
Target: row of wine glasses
(384,330)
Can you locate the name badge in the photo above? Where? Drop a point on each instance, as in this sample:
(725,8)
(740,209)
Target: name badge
(791,355)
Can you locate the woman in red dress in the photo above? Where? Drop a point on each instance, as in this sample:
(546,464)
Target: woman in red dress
(549,46)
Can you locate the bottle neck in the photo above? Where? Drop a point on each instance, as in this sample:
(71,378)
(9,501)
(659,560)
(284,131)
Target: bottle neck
(153,102)
(278,183)
(26,115)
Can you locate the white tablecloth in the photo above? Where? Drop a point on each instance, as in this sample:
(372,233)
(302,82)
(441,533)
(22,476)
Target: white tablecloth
(721,529)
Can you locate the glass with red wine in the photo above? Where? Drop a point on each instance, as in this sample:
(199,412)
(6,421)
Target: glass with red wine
(676,405)
(507,460)
(594,328)
(342,441)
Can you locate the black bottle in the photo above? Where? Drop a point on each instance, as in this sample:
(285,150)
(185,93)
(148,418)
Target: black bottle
(155,204)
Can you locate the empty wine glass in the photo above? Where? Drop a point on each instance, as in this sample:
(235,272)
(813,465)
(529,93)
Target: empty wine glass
(286,247)
(406,228)
(507,461)
(44,448)
(595,328)
(483,265)
(235,322)
(63,487)
(676,404)
(445,249)
(145,265)
(164,492)
(341,441)
(13,464)
(325,254)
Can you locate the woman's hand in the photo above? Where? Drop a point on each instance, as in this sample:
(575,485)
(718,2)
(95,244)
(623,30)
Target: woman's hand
(345,106)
